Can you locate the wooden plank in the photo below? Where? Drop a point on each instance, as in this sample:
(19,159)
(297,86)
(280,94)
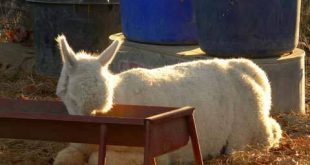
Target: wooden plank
(172,114)
(168,136)
(70,118)
(39,108)
(149,157)
(158,129)
(31,106)
(63,131)
(68,131)
(194,140)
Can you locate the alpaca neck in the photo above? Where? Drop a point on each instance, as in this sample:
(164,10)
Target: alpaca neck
(118,92)
(126,85)
(110,81)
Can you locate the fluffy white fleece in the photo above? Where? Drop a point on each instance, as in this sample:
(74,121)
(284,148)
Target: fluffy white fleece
(232,100)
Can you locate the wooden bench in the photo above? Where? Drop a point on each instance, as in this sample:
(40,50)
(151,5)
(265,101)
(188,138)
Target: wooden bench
(158,129)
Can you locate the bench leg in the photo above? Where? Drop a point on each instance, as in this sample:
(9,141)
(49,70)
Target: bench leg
(102,145)
(148,158)
(149,161)
(194,140)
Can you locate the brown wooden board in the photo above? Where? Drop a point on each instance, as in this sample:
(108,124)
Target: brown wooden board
(48,120)
(158,129)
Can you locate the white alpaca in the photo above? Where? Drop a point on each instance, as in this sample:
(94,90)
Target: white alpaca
(232,100)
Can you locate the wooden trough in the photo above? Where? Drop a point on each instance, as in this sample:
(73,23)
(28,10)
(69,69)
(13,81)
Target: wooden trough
(158,129)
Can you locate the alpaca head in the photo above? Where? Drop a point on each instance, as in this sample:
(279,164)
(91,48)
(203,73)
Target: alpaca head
(85,84)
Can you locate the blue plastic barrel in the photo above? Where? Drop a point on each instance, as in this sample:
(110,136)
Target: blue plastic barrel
(86,23)
(159,21)
(248,28)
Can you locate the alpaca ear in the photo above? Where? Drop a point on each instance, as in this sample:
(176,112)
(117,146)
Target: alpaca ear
(107,56)
(67,54)
(62,84)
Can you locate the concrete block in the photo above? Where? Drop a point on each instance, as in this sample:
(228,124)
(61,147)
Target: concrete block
(287,77)
(286,74)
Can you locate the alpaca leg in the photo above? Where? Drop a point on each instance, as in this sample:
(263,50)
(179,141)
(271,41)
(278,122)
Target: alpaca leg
(277,132)
(240,136)
(93,158)
(75,154)
(269,133)
(132,158)
(118,156)
(115,157)
(86,149)
(257,133)
(266,134)
(236,142)
(70,156)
